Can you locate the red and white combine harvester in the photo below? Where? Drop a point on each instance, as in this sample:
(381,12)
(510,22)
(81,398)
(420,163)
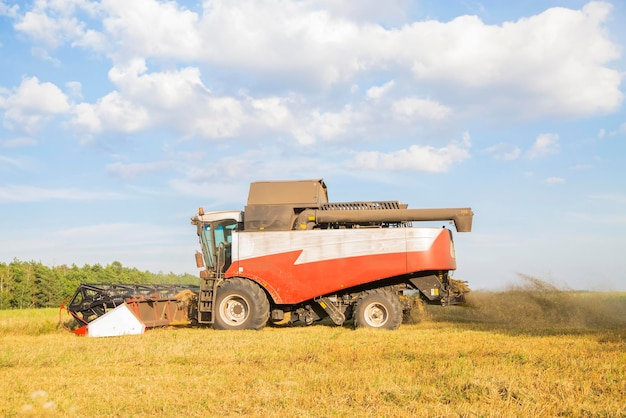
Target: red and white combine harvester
(291,255)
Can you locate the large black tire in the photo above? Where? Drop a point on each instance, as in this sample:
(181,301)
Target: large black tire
(378,309)
(240,304)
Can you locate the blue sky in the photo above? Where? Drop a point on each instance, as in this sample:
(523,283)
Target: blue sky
(119,119)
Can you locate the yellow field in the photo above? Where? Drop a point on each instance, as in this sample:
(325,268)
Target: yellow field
(476,361)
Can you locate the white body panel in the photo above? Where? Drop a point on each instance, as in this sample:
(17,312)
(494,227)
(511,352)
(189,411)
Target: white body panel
(323,245)
(119,321)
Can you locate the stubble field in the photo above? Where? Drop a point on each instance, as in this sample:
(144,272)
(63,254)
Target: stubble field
(523,352)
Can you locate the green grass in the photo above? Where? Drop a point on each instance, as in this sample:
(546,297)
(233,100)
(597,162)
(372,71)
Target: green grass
(453,362)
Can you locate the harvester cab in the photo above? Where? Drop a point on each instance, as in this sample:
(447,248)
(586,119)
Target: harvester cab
(215,231)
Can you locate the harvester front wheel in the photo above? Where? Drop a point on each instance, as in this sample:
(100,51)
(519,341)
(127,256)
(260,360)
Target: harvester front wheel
(378,309)
(241,304)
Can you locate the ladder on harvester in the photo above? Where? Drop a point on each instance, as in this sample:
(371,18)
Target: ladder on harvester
(208,289)
(206,300)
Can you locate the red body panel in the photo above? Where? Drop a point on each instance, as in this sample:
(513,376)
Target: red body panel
(295,266)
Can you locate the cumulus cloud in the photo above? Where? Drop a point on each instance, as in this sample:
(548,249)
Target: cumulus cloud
(610,197)
(168,89)
(153,28)
(377,92)
(113,112)
(556,60)
(273,110)
(324,125)
(545,144)
(134,170)
(179,98)
(413,107)
(23,141)
(32,102)
(249,69)
(10,11)
(74,89)
(54,23)
(145,100)
(26,193)
(555,63)
(9,162)
(554,180)
(416,158)
(504,151)
(391,12)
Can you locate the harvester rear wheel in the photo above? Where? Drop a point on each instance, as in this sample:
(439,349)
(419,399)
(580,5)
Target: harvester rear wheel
(241,304)
(378,309)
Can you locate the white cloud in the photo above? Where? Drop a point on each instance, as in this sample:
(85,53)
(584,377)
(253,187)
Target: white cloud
(113,112)
(554,63)
(391,12)
(228,177)
(554,180)
(557,60)
(416,158)
(330,125)
(274,111)
(377,92)
(121,114)
(179,99)
(604,133)
(10,162)
(610,197)
(220,117)
(52,22)
(38,97)
(21,193)
(153,28)
(44,55)
(136,235)
(167,90)
(294,39)
(33,102)
(545,144)
(74,89)
(413,107)
(19,142)
(504,151)
(85,118)
(9,11)
(173,98)
(134,170)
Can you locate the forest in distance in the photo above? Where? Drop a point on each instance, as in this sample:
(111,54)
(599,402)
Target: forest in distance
(31,284)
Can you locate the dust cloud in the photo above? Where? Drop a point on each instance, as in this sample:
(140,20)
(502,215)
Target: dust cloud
(536,304)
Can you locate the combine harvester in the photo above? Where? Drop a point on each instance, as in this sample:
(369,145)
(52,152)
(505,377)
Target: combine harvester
(293,256)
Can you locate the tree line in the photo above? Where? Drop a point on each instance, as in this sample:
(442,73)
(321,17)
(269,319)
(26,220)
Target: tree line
(30,284)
